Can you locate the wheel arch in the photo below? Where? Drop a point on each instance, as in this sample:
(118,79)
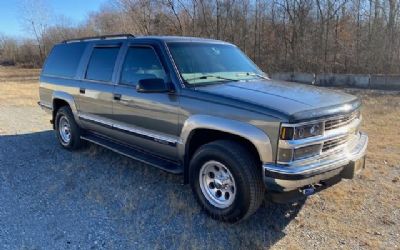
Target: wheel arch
(61,99)
(201,129)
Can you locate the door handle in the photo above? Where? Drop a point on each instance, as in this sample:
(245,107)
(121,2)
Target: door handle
(82,90)
(117,97)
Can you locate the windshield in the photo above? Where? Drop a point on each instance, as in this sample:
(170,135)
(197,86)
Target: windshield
(205,63)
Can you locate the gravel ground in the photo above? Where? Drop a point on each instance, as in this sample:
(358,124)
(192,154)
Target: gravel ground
(93,198)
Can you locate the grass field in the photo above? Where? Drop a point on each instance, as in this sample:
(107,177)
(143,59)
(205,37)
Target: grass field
(355,214)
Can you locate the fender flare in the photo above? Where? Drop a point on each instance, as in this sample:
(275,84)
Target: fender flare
(67,98)
(256,136)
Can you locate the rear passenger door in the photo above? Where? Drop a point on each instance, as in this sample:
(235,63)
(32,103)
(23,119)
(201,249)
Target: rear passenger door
(96,92)
(147,120)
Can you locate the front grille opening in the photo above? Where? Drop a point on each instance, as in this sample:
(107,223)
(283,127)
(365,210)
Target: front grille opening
(332,144)
(342,121)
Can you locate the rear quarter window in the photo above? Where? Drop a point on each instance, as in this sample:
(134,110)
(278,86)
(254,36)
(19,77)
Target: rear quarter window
(101,64)
(64,60)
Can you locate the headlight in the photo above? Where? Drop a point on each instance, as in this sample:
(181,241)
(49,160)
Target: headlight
(288,155)
(307,151)
(301,132)
(297,132)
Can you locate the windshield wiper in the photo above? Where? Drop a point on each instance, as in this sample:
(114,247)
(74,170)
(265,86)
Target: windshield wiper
(210,76)
(254,74)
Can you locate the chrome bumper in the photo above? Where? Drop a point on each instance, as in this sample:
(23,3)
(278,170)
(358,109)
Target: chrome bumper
(283,178)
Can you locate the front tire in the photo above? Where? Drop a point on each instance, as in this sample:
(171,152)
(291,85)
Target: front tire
(226,181)
(67,131)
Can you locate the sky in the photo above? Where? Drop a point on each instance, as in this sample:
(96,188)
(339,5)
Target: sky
(74,10)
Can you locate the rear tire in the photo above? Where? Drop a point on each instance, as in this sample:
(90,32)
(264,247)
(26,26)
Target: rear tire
(67,130)
(226,181)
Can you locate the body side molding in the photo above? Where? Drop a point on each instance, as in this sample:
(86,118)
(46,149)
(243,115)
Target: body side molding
(256,136)
(162,139)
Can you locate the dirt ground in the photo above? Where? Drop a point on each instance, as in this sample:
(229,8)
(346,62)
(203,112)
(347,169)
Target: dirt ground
(93,198)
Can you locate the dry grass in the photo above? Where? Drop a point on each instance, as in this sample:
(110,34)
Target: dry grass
(361,213)
(18,74)
(19,87)
(15,94)
(381,114)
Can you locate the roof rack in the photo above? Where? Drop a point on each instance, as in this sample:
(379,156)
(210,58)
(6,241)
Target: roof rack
(93,38)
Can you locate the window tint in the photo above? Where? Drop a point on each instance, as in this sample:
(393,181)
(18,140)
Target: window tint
(64,60)
(141,63)
(101,64)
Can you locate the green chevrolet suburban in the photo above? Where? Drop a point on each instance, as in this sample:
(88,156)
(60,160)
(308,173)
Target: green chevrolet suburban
(201,108)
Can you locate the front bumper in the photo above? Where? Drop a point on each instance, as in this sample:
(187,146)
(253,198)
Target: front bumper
(344,164)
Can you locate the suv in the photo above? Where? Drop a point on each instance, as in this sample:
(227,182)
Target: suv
(203,109)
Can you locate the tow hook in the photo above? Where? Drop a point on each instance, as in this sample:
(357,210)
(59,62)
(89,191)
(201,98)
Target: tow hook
(307,191)
(310,189)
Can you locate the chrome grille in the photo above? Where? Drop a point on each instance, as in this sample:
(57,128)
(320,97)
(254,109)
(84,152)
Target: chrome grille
(331,144)
(341,121)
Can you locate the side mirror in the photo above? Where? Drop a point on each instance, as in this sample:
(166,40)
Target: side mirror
(152,85)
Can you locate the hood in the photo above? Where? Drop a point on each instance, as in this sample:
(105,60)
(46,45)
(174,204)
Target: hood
(297,101)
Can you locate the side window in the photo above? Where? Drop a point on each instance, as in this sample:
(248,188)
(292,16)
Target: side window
(101,63)
(141,63)
(64,59)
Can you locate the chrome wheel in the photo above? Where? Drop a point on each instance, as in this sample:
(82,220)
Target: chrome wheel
(217,184)
(64,128)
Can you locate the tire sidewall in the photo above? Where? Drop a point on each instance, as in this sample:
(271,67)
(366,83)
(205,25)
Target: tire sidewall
(62,112)
(241,203)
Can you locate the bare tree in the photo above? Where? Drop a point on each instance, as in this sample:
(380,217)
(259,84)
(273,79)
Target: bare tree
(35,18)
(356,36)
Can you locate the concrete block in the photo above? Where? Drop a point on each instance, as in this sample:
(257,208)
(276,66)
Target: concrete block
(343,80)
(283,76)
(325,79)
(361,81)
(388,82)
(308,78)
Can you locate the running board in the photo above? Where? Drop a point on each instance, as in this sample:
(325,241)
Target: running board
(134,153)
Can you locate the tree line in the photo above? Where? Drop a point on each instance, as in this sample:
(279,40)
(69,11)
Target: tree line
(339,36)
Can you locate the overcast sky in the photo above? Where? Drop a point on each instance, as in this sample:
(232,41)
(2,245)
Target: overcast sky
(74,10)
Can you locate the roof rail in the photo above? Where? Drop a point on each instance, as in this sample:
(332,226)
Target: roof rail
(93,38)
